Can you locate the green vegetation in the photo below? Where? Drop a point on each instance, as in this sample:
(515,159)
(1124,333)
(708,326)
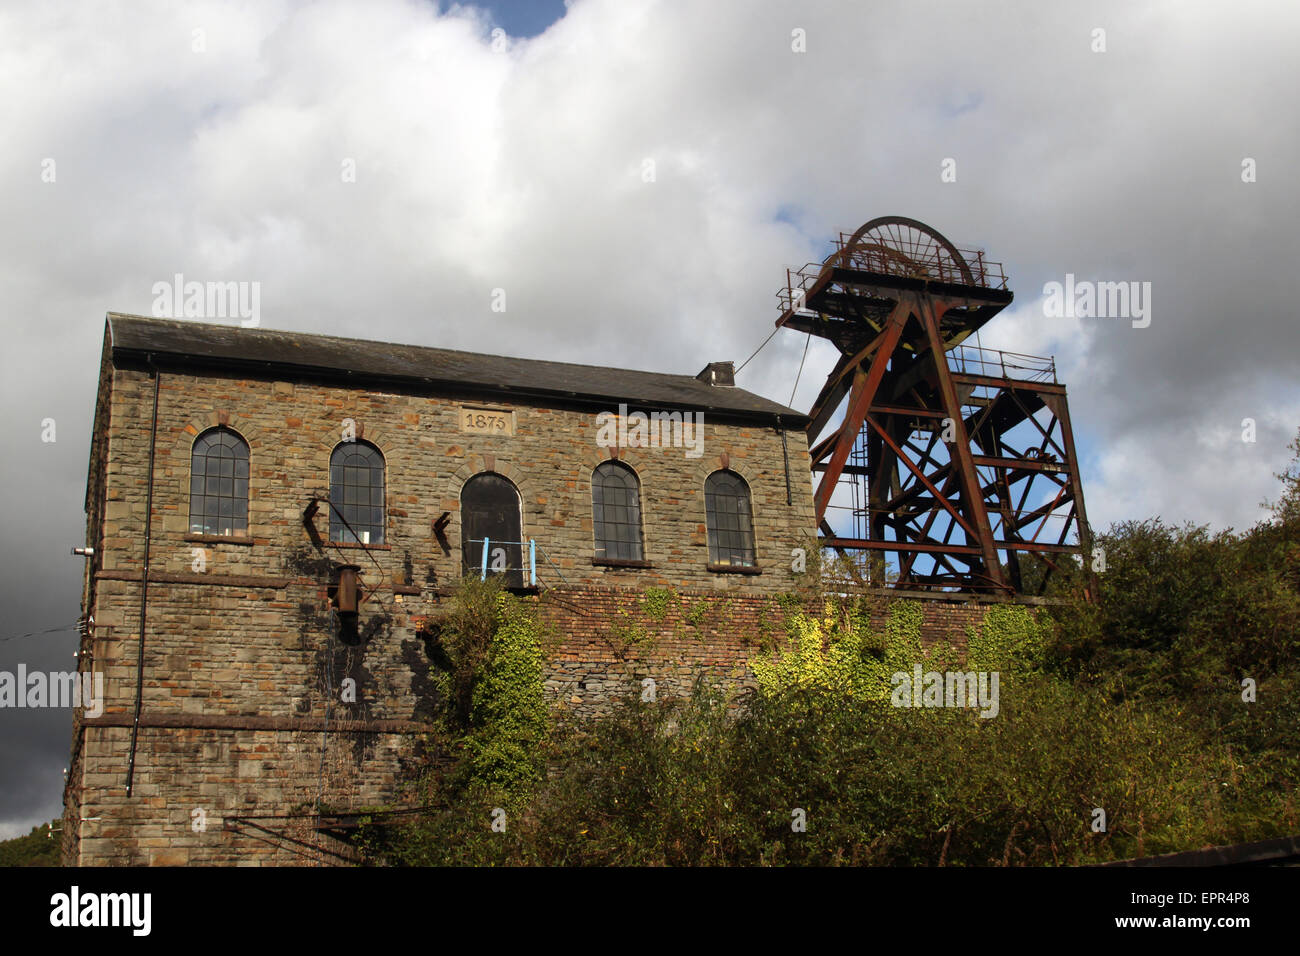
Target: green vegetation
(1172,705)
(508,714)
(37,848)
(656,602)
(1012,639)
(488,663)
(627,630)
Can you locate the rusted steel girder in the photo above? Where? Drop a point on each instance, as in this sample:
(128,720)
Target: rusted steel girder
(898,300)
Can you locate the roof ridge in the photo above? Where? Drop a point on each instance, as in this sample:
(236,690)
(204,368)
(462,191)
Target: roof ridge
(403,345)
(234,345)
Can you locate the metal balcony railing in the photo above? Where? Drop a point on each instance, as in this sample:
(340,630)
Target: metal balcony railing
(995,363)
(928,263)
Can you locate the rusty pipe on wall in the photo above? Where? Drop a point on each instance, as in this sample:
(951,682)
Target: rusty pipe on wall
(144,579)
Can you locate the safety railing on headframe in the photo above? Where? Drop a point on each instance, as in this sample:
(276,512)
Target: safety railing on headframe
(998,363)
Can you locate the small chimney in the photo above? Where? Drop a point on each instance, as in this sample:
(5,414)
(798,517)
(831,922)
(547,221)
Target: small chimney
(718,373)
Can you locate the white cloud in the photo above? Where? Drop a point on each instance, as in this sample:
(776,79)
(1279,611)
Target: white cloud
(523,170)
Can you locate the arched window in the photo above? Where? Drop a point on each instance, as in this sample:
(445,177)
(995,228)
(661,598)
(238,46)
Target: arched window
(490,511)
(616,512)
(730,522)
(357,490)
(219,483)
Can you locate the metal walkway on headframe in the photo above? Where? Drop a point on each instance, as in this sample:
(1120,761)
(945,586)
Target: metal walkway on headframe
(956,462)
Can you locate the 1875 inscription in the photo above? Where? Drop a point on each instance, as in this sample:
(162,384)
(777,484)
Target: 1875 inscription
(486,421)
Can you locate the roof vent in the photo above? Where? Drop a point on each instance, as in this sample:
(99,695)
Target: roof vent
(718,373)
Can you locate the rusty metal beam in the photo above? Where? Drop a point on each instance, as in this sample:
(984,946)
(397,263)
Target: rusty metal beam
(894,298)
(865,385)
(968,481)
(1023,464)
(165,721)
(869,544)
(920,476)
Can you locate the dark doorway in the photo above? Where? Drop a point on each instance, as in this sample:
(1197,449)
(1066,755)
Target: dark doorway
(489,508)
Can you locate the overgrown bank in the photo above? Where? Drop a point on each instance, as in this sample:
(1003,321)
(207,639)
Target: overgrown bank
(1164,717)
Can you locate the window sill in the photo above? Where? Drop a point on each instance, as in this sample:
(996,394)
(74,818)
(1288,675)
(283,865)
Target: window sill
(734,569)
(218,538)
(619,563)
(360,547)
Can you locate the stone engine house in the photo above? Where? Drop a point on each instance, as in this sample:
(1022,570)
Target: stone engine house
(238,476)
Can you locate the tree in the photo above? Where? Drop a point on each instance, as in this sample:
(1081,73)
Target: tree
(40,847)
(1286,510)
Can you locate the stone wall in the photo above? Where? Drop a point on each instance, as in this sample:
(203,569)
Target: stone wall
(236,735)
(95,502)
(244,724)
(292,428)
(239,657)
(235,721)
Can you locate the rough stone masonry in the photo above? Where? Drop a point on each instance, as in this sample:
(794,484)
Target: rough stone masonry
(242,730)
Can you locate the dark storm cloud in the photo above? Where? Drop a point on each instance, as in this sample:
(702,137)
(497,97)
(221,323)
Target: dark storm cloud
(636,179)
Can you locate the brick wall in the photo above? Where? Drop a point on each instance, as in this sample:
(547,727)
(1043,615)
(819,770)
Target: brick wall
(609,641)
(239,655)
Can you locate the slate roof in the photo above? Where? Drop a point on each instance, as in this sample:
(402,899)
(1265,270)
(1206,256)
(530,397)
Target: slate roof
(266,351)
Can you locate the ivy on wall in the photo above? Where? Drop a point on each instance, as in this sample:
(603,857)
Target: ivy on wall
(841,651)
(1011,640)
(508,713)
(488,665)
(838,651)
(656,602)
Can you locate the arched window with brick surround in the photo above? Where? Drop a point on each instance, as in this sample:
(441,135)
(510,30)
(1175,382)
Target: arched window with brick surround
(357,493)
(219,483)
(491,511)
(616,512)
(730,520)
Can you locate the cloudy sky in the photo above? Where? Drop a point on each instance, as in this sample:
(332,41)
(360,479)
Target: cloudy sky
(637,175)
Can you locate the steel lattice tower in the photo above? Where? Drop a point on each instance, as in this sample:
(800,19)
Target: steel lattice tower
(935,478)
